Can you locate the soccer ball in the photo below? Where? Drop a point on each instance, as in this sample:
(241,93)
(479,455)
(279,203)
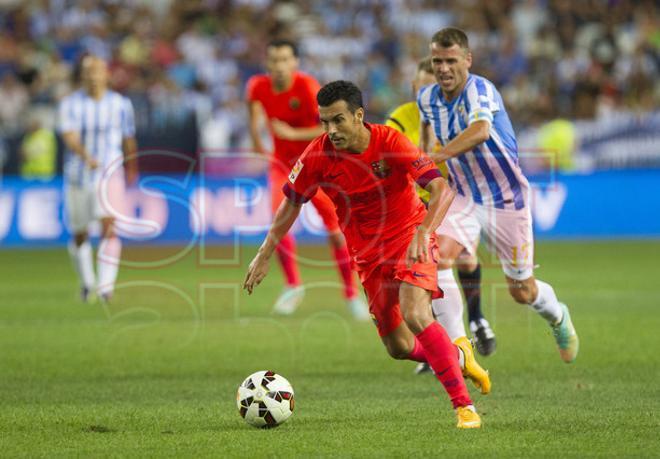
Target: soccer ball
(265,399)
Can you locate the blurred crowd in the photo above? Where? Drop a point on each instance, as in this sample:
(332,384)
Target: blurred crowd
(177,59)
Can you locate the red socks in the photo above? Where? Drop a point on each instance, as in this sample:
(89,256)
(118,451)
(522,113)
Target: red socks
(286,252)
(344,264)
(418,354)
(434,344)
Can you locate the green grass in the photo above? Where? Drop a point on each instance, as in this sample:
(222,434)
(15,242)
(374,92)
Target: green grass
(155,374)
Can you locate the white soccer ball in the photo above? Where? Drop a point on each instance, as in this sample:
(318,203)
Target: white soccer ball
(265,399)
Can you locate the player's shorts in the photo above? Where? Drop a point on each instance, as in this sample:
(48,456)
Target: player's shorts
(93,202)
(321,202)
(382,286)
(506,232)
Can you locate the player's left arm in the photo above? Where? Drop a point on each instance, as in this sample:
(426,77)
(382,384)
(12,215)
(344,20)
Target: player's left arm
(476,133)
(129,144)
(441,197)
(285,131)
(421,168)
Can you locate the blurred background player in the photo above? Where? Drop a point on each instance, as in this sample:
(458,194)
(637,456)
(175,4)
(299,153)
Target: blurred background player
(406,119)
(368,171)
(288,99)
(38,150)
(98,130)
(465,112)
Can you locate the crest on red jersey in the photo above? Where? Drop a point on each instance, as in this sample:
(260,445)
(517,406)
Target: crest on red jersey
(381,169)
(294,103)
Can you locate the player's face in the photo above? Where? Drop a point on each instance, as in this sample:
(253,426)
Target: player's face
(281,63)
(341,125)
(450,66)
(94,74)
(422,79)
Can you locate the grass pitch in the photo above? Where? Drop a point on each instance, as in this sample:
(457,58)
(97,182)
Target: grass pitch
(155,373)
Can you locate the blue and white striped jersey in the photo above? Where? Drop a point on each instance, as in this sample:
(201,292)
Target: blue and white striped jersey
(101,124)
(490,173)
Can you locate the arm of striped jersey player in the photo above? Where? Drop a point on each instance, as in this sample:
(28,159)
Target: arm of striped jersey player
(476,133)
(72,141)
(69,125)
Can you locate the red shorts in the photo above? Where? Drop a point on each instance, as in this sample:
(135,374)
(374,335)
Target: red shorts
(382,286)
(324,206)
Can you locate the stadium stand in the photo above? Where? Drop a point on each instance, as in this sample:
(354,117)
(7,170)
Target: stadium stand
(184,63)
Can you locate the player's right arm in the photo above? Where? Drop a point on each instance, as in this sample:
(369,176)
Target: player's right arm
(72,141)
(302,186)
(255,112)
(475,134)
(255,115)
(71,134)
(284,219)
(480,119)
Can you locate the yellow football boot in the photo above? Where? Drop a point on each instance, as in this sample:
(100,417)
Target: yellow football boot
(472,369)
(467,418)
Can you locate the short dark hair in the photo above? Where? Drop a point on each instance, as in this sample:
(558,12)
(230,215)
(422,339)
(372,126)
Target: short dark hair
(451,36)
(425,65)
(280,42)
(340,90)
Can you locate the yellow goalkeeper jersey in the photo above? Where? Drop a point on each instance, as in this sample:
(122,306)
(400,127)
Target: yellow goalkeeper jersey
(405,119)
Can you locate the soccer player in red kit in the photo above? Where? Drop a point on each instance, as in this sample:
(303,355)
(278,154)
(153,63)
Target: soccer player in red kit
(369,172)
(288,99)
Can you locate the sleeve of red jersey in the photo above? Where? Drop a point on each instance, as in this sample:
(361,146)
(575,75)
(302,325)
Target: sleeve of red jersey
(305,176)
(313,88)
(417,164)
(251,89)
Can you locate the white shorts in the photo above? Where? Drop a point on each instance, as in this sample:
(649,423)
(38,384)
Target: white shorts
(95,201)
(506,232)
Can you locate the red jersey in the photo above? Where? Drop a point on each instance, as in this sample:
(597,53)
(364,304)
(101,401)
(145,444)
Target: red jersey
(373,191)
(296,106)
